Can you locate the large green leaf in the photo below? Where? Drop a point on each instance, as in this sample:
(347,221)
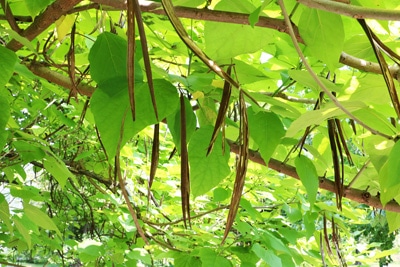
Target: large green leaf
(308,176)
(40,218)
(267,255)
(388,176)
(323,34)
(206,171)
(210,258)
(225,41)
(110,104)
(266,129)
(107,59)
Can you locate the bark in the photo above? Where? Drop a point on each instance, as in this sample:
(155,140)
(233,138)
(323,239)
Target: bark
(357,195)
(43,21)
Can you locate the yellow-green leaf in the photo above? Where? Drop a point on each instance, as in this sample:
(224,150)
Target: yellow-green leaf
(40,218)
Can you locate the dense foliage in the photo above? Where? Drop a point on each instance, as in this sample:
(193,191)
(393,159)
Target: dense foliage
(199,133)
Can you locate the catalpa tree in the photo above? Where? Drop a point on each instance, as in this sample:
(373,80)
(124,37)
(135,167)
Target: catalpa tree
(199,133)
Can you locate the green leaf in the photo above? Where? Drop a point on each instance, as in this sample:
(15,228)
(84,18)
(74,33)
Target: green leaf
(29,151)
(308,176)
(266,129)
(110,104)
(89,250)
(220,194)
(309,223)
(246,255)
(23,231)
(267,255)
(206,171)
(210,258)
(35,7)
(5,213)
(186,260)
(393,219)
(26,193)
(40,218)
(316,117)
(107,59)
(4,116)
(140,254)
(305,78)
(378,148)
(273,242)
(8,61)
(255,15)
(28,44)
(389,184)
(225,41)
(375,120)
(57,168)
(323,33)
(174,124)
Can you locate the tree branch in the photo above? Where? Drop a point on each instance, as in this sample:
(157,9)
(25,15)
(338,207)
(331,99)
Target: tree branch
(240,18)
(367,66)
(43,21)
(46,73)
(353,11)
(357,195)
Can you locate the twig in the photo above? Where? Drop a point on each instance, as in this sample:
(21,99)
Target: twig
(353,11)
(122,184)
(9,16)
(358,174)
(192,217)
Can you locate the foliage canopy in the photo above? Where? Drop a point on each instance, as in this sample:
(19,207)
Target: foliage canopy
(198,133)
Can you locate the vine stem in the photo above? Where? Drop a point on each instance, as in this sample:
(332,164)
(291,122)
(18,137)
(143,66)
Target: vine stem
(353,11)
(317,80)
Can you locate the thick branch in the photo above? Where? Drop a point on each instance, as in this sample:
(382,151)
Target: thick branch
(240,18)
(357,12)
(59,79)
(367,66)
(43,21)
(357,195)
